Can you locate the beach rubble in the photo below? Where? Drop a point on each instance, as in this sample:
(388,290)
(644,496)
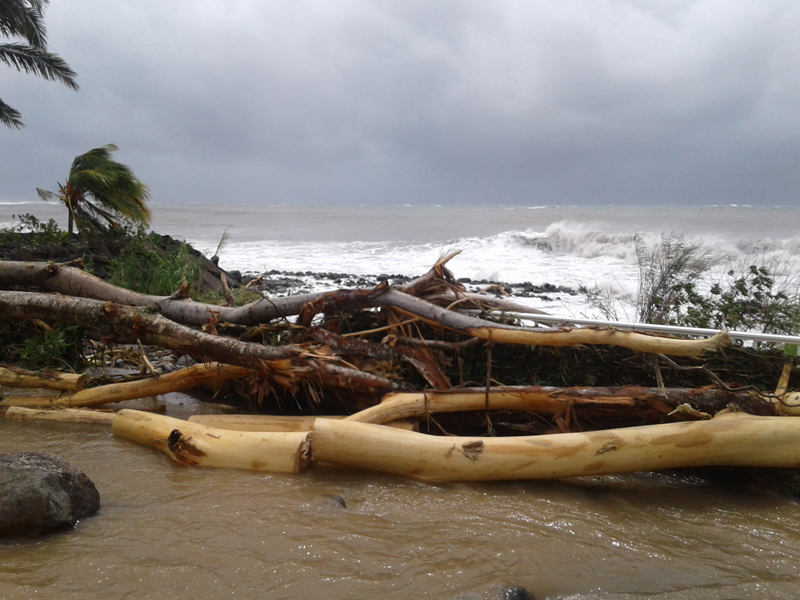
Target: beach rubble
(385,356)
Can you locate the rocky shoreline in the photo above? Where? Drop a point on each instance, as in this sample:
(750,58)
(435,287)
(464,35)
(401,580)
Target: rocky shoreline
(98,253)
(298,282)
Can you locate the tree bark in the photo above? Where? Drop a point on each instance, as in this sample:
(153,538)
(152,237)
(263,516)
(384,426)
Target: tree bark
(68,280)
(129,325)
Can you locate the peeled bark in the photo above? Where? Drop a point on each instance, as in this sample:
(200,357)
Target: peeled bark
(195,444)
(731,439)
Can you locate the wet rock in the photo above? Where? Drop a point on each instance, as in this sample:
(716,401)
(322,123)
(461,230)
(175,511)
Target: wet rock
(515,593)
(184,361)
(338,501)
(40,492)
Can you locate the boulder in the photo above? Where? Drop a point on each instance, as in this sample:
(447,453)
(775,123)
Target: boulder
(40,492)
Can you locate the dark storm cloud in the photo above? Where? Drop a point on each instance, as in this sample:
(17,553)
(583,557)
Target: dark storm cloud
(422,102)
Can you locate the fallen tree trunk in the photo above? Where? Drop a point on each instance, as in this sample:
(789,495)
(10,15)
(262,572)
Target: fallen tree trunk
(130,325)
(68,280)
(549,401)
(44,380)
(564,336)
(274,422)
(731,439)
(195,444)
(65,415)
(184,379)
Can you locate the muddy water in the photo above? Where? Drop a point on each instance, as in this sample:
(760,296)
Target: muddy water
(167,531)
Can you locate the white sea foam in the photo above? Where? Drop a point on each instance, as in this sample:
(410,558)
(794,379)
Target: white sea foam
(562,245)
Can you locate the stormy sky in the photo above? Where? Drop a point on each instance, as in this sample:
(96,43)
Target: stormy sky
(421,101)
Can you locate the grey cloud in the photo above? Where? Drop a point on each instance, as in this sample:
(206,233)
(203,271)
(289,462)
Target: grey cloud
(365,101)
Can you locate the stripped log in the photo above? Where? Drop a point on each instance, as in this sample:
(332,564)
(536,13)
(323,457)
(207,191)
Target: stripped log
(64,415)
(729,439)
(195,444)
(549,401)
(44,380)
(274,422)
(556,336)
(194,376)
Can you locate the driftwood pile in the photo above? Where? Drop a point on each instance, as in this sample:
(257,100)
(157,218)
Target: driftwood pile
(390,372)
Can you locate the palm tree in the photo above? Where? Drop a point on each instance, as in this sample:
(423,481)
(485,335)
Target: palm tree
(24,19)
(100,192)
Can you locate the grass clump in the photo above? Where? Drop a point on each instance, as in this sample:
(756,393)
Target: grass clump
(38,346)
(145,266)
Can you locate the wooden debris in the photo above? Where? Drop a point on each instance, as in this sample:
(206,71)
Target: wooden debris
(195,444)
(45,380)
(730,439)
(194,376)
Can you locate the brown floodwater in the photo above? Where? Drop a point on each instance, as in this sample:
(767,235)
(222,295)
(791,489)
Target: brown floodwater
(172,532)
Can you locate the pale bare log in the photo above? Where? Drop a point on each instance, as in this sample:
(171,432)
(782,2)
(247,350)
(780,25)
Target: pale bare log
(43,380)
(274,422)
(549,401)
(564,336)
(730,439)
(195,444)
(787,404)
(65,415)
(184,379)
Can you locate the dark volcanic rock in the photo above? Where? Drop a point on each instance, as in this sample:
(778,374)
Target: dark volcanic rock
(40,493)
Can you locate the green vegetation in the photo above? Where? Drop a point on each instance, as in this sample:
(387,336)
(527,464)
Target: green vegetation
(144,266)
(44,233)
(36,346)
(677,286)
(101,194)
(24,19)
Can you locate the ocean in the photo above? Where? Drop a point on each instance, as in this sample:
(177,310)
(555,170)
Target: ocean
(569,246)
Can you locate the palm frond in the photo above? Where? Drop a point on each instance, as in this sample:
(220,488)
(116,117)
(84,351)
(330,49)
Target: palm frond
(24,18)
(222,242)
(10,116)
(100,192)
(47,195)
(38,61)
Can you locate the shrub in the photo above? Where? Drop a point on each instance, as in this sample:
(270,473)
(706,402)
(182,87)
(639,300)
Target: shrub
(677,286)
